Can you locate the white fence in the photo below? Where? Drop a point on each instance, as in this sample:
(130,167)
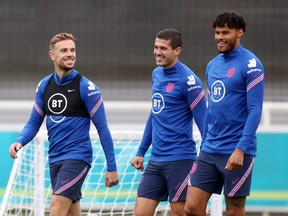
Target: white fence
(132,115)
(274,117)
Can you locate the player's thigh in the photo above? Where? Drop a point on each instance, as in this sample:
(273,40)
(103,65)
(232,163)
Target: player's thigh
(238,183)
(75,209)
(177,174)
(145,206)
(68,178)
(152,184)
(205,174)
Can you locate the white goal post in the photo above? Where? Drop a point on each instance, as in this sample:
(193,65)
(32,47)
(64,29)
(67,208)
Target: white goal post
(28,190)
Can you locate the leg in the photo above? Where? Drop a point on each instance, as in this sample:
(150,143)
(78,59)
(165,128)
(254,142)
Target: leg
(67,178)
(196,202)
(204,180)
(237,187)
(145,207)
(60,205)
(151,190)
(177,208)
(75,209)
(235,206)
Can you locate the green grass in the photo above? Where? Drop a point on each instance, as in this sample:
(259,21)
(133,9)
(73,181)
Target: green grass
(269,195)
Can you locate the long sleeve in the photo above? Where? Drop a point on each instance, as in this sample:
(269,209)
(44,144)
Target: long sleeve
(255,95)
(199,112)
(94,102)
(146,139)
(35,121)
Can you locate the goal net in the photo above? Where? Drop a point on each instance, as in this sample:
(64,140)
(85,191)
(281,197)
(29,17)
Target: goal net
(28,190)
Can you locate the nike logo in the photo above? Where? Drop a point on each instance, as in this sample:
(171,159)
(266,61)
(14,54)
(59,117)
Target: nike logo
(235,181)
(71,90)
(64,181)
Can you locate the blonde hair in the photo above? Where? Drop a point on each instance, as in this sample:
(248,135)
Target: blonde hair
(60,37)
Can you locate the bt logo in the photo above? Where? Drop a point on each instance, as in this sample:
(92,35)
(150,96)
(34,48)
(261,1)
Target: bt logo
(157,103)
(217,91)
(57,103)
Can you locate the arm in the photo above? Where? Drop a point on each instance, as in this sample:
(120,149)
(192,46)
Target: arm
(138,161)
(205,123)
(255,96)
(93,101)
(194,92)
(205,127)
(99,120)
(111,178)
(28,133)
(146,139)
(199,112)
(32,126)
(254,78)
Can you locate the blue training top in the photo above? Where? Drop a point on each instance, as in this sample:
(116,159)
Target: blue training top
(235,84)
(177,97)
(69,135)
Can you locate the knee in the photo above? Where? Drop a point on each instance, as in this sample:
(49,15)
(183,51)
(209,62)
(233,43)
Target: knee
(54,211)
(235,211)
(57,209)
(137,212)
(191,210)
(194,210)
(140,212)
(188,210)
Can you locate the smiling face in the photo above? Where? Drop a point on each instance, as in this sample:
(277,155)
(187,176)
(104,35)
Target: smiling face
(63,55)
(165,56)
(227,39)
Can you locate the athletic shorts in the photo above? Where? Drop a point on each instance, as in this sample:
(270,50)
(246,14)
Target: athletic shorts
(67,178)
(209,174)
(167,179)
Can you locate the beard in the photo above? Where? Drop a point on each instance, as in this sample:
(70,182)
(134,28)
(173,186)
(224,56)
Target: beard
(230,46)
(65,68)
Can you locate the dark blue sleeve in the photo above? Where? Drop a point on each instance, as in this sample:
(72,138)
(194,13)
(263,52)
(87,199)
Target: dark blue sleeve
(199,112)
(93,100)
(146,139)
(205,128)
(255,97)
(108,147)
(37,115)
(196,98)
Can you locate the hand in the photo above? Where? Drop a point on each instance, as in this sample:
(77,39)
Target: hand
(111,179)
(235,162)
(14,148)
(138,163)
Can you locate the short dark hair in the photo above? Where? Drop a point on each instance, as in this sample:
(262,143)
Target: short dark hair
(231,19)
(171,34)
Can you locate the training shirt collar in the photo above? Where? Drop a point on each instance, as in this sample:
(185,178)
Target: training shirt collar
(173,69)
(65,79)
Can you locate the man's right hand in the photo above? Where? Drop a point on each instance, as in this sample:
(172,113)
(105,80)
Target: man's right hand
(138,163)
(14,148)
